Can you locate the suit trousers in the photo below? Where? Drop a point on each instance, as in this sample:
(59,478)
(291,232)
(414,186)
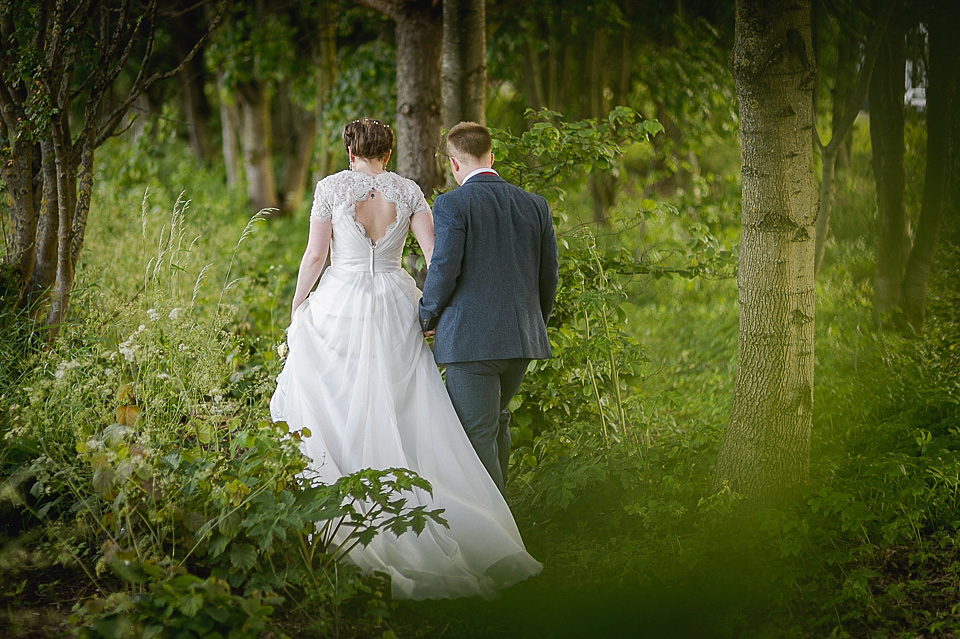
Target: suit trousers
(480,392)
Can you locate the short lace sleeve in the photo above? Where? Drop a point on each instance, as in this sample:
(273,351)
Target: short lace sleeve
(321,210)
(415,199)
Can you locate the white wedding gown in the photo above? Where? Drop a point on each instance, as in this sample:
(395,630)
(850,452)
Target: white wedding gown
(361,378)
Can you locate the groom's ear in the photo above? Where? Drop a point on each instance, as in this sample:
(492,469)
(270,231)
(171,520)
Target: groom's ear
(491,158)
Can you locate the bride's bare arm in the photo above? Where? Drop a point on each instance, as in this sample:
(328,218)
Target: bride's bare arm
(421,225)
(311,264)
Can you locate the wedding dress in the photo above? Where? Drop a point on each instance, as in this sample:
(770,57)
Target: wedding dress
(361,378)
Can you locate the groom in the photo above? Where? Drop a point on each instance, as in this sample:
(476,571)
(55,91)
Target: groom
(489,291)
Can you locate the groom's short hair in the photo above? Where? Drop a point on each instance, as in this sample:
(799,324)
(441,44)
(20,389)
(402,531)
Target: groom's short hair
(470,138)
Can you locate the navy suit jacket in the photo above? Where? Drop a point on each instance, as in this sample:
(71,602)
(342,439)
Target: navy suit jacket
(493,277)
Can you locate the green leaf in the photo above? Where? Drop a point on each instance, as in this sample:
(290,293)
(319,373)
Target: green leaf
(191,605)
(217,545)
(243,556)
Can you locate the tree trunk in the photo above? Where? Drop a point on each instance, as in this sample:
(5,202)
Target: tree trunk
(255,143)
(847,53)
(45,272)
(229,129)
(828,163)
(765,450)
(419,35)
(942,85)
(17,171)
(533,78)
(326,81)
(66,201)
(464,62)
(844,115)
(886,136)
(192,78)
(296,163)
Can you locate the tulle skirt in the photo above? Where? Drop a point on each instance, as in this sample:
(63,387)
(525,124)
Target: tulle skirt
(361,378)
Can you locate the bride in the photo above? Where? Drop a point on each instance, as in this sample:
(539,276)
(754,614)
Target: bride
(361,378)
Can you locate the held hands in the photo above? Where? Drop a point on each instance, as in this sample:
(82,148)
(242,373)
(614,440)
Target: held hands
(430,333)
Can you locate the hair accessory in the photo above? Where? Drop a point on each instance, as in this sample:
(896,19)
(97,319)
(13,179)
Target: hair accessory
(370,120)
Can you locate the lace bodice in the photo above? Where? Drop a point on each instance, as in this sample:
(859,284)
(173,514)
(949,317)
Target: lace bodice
(349,187)
(335,199)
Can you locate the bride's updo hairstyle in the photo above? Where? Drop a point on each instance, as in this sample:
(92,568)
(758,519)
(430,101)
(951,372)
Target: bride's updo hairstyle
(368,138)
(470,139)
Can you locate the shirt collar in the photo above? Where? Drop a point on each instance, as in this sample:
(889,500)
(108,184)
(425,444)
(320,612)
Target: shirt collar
(482,169)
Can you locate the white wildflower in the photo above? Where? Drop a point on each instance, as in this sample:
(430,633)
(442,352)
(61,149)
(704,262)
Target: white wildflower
(153,314)
(128,351)
(175,313)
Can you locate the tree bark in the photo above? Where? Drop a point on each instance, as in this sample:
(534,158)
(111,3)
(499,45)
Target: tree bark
(886,136)
(39,287)
(941,87)
(766,447)
(847,51)
(296,163)
(229,131)
(255,144)
(192,78)
(66,198)
(464,78)
(328,77)
(17,171)
(419,35)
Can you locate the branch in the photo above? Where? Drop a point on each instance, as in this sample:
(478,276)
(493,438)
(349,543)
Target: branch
(169,13)
(8,106)
(111,121)
(56,34)
(387,7)
(93,71)
(6,26)
(855,99)
(106,80)
(862,84)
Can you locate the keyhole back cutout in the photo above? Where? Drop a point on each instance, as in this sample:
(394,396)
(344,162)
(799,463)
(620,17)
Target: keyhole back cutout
(375,214)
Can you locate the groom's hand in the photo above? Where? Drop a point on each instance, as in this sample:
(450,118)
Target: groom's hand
(430,333)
